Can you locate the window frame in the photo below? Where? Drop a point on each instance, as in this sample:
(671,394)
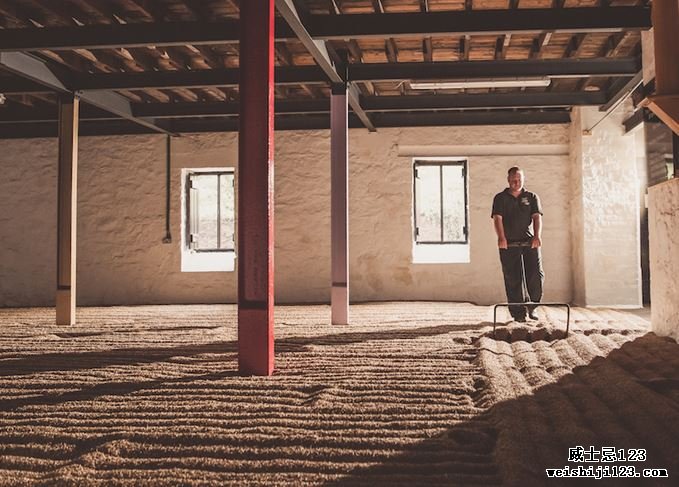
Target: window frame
(441,162)
(188,227)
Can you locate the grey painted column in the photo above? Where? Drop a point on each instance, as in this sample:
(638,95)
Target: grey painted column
(66,209)
(339,214)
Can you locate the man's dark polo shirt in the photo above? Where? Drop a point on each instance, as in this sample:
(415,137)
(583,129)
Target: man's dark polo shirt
(516,213)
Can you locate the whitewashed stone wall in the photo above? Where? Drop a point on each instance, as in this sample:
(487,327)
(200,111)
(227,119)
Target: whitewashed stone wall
(663,221)
(121,222)
(605,221)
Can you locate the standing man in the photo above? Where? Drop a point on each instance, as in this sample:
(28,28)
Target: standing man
(514,211)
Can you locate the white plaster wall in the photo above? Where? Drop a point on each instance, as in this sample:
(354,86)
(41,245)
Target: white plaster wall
(663,221)
(606,172)
(381,225)
(28,243)
(121,223)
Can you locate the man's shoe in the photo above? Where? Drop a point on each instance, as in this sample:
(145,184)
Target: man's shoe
(533,315)
(520,319)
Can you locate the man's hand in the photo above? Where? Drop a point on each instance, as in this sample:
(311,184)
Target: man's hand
(535,243)
(501,243)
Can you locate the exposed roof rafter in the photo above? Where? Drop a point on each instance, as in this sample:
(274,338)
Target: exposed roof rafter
(319,52)
(572,20)
(300,122)
(417,103)
(325,27)
(362,72)
(37,71)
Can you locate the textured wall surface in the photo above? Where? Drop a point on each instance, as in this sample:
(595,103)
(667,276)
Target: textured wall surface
(121,218)
(381,224)
(663,221)
(609,194)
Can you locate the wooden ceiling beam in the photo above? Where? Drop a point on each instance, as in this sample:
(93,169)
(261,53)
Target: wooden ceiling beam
(38,18)
(36,70)
(614,44)
(620,88)
(366,87)
(340,27)
(301,122)
(213,59)
(382,104)
(427,44)
(573,68)
(465,46)
(321,54)
(103,60)
(575,45)
(574,20)
(152,10)
(199,9)
(538,44)
(427,50)
(14,85)
(391,50)
(283,54)
(285,59)
(355,50)
(610,49)
(501,46)
(44,13)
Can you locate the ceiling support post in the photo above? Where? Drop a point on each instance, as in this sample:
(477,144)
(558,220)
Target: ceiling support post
(67,209)
(255,190)
(339,216)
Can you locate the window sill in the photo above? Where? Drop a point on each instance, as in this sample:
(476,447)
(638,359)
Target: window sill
(441,253)
(208,261)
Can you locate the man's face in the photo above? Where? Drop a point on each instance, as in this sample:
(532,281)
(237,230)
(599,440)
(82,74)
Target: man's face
(516,181)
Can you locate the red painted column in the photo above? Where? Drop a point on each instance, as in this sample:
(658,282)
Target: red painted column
(255,189)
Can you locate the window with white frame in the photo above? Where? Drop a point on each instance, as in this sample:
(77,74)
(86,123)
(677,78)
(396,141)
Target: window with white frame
(208,242)
(440,210)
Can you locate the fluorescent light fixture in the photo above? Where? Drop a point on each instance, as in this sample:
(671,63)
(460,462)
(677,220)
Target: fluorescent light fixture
(481,83)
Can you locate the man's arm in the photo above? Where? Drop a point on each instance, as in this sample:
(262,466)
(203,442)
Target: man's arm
(500,231)
(537,229)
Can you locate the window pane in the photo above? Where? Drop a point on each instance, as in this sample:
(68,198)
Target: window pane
(453,204)
(428,203)
(206,226)
(227,223)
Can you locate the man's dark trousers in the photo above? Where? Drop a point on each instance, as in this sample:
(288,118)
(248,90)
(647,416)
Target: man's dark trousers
(516,260)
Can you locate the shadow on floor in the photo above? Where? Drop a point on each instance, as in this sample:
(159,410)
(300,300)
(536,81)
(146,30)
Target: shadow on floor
(613,401)
(65,361)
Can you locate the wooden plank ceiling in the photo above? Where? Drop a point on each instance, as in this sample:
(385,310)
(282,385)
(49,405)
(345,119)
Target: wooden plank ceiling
(192,86)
